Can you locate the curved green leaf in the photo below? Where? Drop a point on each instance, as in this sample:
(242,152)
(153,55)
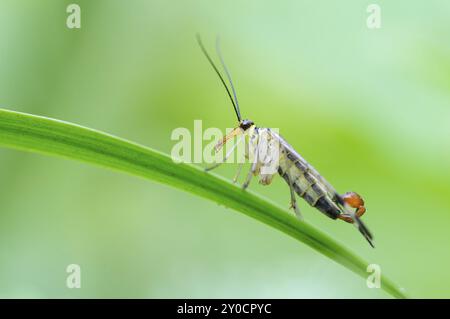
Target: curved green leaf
(50,136)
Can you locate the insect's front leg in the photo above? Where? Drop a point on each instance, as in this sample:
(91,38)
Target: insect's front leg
(238,172)
(246,156)
(225,158)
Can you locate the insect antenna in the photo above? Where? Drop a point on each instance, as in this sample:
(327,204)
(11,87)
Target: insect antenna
(219,53)
(236,108)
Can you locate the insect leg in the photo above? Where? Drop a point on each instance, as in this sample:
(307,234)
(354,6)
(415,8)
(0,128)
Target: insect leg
(253,169)
(249,176)
(226,156)
(294,200)
(238,173)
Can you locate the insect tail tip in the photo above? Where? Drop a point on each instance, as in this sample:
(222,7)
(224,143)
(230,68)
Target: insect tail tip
(364,230)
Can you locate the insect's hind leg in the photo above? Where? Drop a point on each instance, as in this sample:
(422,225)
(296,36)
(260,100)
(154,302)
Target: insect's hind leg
(294,204)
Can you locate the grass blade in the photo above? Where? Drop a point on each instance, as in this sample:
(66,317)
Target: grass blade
(54,137)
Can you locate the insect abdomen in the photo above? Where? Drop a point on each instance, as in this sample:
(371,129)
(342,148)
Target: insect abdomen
(306,187)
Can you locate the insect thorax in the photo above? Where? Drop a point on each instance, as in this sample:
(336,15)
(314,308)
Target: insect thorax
(264,152)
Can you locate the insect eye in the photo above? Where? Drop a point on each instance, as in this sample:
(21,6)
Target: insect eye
(246,124)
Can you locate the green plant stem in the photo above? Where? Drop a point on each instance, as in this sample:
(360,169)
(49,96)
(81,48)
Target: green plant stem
(54,137)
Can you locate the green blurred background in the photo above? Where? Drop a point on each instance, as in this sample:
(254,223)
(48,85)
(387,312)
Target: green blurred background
(368,108)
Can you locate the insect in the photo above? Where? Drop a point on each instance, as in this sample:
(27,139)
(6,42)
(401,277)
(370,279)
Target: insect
(278,157)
